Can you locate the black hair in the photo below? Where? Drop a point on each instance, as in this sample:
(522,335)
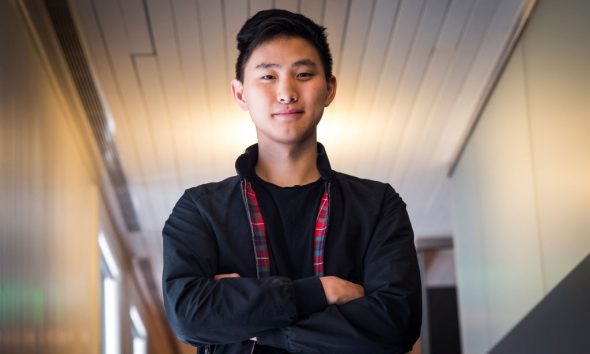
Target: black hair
(269,24)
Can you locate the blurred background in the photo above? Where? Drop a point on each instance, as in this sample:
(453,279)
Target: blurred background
(476,111)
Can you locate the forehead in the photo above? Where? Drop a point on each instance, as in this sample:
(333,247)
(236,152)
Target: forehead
(283,51)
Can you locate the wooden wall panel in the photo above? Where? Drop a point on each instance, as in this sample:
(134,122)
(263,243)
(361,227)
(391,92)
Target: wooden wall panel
(49,278)
(52,209)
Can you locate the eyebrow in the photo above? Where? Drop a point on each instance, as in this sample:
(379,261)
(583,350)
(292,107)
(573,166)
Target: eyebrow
(298,63)
(304,62)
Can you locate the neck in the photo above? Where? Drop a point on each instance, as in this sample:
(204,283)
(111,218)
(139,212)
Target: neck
(288,165)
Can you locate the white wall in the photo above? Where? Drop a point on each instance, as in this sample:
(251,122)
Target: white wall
(521,190)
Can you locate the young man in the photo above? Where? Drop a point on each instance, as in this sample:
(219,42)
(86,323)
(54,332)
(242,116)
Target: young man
(289,255)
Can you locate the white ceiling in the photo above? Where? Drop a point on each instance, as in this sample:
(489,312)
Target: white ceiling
(411,76)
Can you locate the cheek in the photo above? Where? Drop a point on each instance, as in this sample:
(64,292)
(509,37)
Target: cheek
(257,95)
(319,95)
(257,103)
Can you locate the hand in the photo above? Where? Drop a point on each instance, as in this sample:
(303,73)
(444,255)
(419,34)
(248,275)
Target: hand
(230,275)
(340,291)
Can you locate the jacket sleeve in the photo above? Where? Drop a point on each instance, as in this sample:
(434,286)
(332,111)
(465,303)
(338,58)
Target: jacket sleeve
(387,319)
(203,311)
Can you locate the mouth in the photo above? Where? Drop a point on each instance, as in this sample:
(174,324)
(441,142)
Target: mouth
(291,113)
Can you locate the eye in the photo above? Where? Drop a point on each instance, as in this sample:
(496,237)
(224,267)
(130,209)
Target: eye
(267,77)
(304,75)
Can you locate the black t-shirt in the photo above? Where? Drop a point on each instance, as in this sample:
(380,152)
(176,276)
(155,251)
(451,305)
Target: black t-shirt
(289,215)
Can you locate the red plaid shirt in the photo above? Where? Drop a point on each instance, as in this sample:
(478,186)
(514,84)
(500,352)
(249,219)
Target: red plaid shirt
(259,237)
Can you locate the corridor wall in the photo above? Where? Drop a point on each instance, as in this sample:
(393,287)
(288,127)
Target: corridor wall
(49,260)
(52,209)
(521,192)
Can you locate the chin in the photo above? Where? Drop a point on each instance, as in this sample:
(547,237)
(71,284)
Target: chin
(287,136)
(293,140)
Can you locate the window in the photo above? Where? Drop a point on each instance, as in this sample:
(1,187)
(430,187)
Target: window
(109,272)
(138,332)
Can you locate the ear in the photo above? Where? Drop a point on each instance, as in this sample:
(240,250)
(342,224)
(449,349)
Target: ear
(331,91)
(237,90)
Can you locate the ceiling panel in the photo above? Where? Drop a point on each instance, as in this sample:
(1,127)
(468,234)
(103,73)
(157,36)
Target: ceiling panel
(351,58)
(313,9)
(412,146)
(375,117)
(157,119)
(287,5)
(138,32)
(195,95)
(377,43)
(494,41)
(235,14)
(335,19)
(257,5)
(165,91)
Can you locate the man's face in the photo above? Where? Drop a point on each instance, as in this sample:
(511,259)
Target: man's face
(284,90)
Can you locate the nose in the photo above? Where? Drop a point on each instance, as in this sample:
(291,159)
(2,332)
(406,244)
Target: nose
(287,92)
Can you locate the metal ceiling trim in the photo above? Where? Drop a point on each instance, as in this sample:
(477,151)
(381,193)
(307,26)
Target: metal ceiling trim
(70,44)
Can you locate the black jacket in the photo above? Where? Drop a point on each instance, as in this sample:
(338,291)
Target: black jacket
(369,241)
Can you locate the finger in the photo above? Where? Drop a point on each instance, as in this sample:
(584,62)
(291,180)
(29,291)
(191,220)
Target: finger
(230,275)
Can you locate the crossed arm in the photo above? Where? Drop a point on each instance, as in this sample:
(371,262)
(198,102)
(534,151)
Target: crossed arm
(337,290)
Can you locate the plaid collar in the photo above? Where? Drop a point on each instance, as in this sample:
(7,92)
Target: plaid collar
(259,236)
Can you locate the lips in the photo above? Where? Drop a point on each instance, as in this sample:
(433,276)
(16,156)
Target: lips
(291,113)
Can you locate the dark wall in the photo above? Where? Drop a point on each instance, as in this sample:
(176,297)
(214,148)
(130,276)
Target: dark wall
(443,321)
(560,323)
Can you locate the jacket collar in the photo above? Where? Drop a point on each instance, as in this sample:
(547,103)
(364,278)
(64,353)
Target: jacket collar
(247,161)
